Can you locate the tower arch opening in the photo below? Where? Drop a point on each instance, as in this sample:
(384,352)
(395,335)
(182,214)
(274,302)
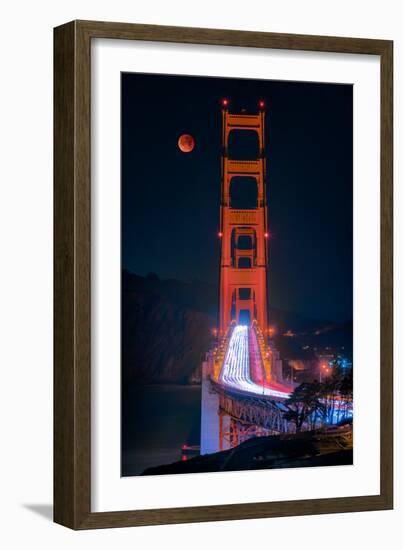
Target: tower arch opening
(243,145)
(243,192)
(244,317)
(244,262)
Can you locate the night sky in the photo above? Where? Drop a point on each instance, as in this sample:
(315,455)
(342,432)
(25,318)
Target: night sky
(170,199)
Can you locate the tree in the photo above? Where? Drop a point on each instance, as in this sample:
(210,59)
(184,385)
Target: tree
(328,392)
(336,393)
(346,393)
(304,405)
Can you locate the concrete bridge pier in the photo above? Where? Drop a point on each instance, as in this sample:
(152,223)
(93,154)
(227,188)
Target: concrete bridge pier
(210,422)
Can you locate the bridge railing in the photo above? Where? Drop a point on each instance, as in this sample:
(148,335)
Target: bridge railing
(265,351)
(219,353)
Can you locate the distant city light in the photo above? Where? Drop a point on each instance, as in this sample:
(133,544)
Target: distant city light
(271,331)
(345,363)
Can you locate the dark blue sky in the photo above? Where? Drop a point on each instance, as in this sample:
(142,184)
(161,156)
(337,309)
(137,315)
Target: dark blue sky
(170,200)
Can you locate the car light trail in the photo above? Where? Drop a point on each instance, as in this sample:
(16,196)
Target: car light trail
(235,373)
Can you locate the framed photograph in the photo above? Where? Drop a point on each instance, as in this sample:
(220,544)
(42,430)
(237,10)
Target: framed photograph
(222,275)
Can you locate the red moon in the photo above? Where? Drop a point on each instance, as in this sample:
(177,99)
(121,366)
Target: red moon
(186,143)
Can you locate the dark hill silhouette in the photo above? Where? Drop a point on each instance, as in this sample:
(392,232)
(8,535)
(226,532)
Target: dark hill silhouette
(166,329)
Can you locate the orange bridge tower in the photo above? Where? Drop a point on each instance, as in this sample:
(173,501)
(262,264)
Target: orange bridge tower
(243,232)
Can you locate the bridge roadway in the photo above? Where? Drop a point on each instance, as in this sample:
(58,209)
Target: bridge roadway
(236,372)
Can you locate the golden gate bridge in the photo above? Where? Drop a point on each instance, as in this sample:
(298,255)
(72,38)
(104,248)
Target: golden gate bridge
(242,380)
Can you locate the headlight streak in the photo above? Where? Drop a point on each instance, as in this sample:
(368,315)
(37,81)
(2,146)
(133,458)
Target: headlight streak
(235,373)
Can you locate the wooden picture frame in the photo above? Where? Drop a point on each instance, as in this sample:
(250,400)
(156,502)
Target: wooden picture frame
(72,268)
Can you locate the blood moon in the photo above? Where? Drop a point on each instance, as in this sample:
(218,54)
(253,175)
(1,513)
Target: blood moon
(186,143)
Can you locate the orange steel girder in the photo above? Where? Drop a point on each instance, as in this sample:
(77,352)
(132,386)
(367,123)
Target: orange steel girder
(235,223)
(233,432)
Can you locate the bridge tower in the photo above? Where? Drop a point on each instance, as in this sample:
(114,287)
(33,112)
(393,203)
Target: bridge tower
(243,232)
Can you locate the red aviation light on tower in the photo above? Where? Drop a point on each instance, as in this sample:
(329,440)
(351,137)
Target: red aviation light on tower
(262,104)
(225,102)
(266,235)
(220,234)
